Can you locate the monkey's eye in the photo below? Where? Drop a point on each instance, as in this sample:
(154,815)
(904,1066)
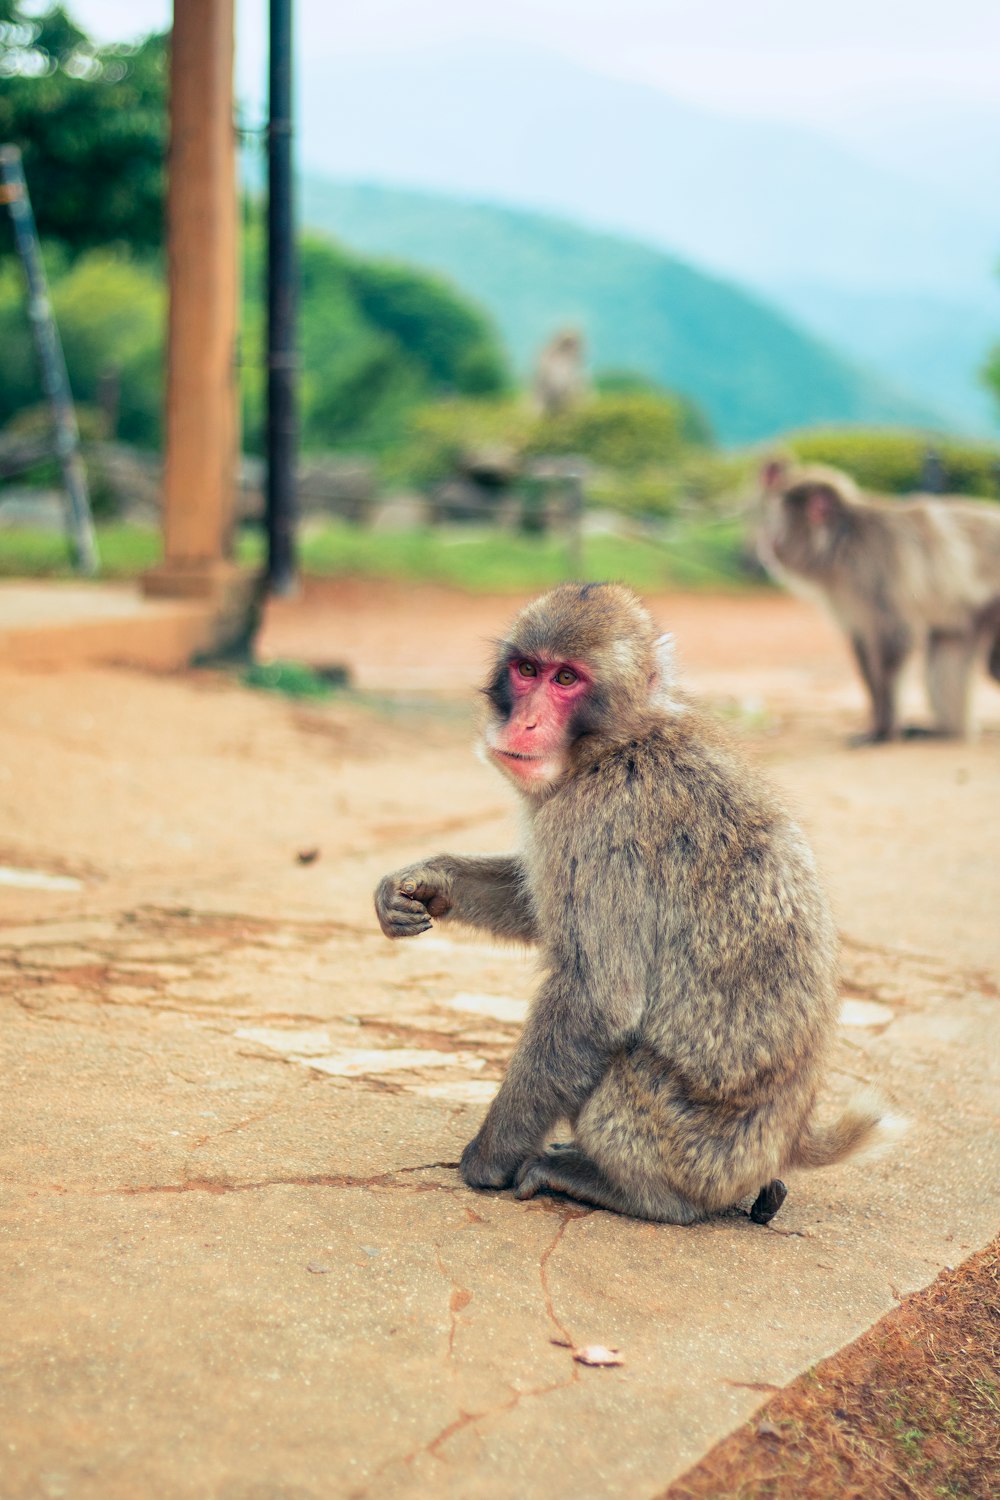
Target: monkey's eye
(527,669)
(565,677)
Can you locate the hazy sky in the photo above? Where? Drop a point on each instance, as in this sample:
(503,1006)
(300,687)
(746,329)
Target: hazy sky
(796,61)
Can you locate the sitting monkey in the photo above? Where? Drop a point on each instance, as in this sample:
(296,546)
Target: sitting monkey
(689,956)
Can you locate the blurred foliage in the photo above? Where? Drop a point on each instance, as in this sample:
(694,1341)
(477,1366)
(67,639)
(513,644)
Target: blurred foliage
(891,462)
(624,433)
(991,372)
(45,473)
(110,310)
(375,339)
(695,425)
(443,433)
(698,480)
(616,431)
(91,124)
(291,679)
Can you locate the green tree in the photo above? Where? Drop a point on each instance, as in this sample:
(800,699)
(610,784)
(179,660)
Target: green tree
(110,311)
(695,426)
(376,340)
(91,123)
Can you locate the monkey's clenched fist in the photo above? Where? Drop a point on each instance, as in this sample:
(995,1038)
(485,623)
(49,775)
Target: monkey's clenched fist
(406,900)
(688,959)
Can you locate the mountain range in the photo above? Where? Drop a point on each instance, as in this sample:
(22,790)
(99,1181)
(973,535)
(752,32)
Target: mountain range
(751,370)
(897,265)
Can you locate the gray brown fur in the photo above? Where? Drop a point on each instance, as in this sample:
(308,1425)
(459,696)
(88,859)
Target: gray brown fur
(689,982)
(898,576)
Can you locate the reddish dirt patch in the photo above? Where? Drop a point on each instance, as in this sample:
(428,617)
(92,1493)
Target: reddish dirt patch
(909,1411)
(431,637)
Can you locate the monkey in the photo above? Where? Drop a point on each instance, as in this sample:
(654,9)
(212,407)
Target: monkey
(559,377)
(897,576)
(689,958)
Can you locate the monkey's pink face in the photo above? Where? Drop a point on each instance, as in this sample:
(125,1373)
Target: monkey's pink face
(530,745)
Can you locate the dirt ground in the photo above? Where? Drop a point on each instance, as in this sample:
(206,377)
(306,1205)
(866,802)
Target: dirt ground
(240,1264)
(911,1409)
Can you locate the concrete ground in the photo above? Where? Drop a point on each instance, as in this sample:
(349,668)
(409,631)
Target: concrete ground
(238,1261)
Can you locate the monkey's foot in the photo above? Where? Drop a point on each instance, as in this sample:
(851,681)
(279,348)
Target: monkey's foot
(532,1177)
(768,1201)
(562,1168)
(870,737)
(924,732)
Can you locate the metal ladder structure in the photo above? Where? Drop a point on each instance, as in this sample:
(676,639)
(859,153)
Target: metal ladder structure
(55,380)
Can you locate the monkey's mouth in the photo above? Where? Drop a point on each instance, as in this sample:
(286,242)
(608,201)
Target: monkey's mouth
(527,769)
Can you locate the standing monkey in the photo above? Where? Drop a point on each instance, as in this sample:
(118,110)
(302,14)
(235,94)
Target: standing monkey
(689,957)
(896,575)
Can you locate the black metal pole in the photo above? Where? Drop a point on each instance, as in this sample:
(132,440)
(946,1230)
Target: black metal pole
(51,358)
(282,427)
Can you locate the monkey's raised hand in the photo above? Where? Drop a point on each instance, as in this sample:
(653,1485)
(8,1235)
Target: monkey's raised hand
(406,900)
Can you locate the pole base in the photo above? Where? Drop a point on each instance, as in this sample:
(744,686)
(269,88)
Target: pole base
(234,594)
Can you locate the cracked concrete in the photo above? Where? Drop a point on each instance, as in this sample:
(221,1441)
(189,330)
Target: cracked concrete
(238,1258)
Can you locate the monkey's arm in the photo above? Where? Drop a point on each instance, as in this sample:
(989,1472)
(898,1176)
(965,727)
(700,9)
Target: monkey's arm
(487,891)
(590,1006)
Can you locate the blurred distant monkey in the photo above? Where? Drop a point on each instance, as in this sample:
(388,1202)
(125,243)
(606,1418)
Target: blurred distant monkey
(897,575)
(559,376)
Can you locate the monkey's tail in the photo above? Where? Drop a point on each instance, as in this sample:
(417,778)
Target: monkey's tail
(865,1124)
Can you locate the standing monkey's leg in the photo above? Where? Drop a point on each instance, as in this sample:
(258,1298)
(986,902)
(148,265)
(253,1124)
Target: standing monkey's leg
(950,660)
(880,660)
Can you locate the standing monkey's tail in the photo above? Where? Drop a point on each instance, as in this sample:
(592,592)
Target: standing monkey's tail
(864,1124)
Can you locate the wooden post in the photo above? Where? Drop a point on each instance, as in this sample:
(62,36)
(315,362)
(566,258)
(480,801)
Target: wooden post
(202,421)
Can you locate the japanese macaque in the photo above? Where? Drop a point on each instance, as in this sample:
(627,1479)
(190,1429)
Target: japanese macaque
(897,575)
(559,375)
(689,982)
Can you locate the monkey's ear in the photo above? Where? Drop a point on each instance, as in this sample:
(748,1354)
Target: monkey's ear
(665,650)
(822,504)
(774,473)
(664,674)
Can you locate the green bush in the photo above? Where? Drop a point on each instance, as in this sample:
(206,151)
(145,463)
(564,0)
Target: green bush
(635,433)
(696,428)
(626,430)
(110,311)
(443,433)
(92,123)
(697,482)
(375,341)
(891,462)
